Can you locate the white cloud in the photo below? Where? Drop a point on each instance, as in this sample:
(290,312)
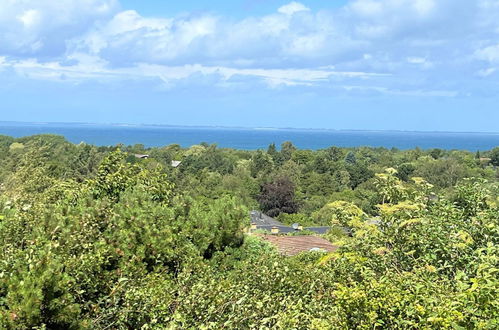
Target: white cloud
(387,41)
(44,26)
(367,8)
(424,7)
(30,18)
(421,61)
(307,45)
(486,72)
(92,67)
(210,39)
(292,8)
(145,39)
(490,53)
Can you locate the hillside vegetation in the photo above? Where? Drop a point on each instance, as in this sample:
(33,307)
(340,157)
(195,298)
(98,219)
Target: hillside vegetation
(96,238)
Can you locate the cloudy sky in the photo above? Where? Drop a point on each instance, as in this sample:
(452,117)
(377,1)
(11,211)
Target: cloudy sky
(358,64)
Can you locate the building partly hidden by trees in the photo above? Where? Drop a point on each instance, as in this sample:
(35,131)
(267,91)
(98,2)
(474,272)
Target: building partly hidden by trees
(92,238)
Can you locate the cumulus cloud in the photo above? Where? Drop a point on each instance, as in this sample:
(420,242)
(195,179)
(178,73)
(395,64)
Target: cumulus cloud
(146,39)
(380,45)
(205,38)
(43,27)
(292,8)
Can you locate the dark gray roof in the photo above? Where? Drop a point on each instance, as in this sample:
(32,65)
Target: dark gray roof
(265,222)
(282,229)
(262,219)
(287,229)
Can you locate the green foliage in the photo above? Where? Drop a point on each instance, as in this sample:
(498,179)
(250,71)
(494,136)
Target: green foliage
(114,177)
(299,218)
(350,158)
(208,157)
(90,240)
(287,150)
(342,213)
(38,292)
(494,156)
(70,258)
(443,173)
(278,197)
(261,163)
(389,186)
(405,170)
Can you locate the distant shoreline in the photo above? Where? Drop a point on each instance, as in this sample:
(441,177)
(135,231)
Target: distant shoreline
(129,125)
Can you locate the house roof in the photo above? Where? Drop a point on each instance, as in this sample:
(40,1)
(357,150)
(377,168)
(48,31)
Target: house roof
(265,222)
(293,245)
(282,229)
(261,219)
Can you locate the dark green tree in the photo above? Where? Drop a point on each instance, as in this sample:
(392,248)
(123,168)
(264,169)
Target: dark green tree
(350,158)
(494,156)
(287,150)
(261,162)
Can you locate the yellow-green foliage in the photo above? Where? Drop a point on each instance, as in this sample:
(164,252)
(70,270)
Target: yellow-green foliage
(342,213)
(16,147)
(145,246)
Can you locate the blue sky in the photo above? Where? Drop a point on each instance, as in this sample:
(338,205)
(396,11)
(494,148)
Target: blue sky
(345,64)
(232,8)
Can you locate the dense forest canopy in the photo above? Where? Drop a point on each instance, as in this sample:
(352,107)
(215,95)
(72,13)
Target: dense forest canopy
(116,237)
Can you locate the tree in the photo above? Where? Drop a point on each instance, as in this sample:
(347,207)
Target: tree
(494,156)
(436,153)
(261,162)
(321,163)
(359,173)
(444,173)
(276,156)
(335,154)
(350,158)
(272,150)
(405,170)
(287,150)
(340,213)
(207,157)
(278,197)
(389,186)
(303,157)
(121,246)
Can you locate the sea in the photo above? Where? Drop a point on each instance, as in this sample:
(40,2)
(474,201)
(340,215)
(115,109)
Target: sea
(250,138)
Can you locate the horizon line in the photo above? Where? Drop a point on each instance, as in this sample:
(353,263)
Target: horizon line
(237,127)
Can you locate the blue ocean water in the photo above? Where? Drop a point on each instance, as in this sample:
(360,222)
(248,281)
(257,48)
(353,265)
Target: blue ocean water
(251,138)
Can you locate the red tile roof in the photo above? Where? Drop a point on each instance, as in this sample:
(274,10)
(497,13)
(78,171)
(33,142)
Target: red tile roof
(292,245)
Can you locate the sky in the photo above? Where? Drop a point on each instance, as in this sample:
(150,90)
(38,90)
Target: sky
(425,65)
